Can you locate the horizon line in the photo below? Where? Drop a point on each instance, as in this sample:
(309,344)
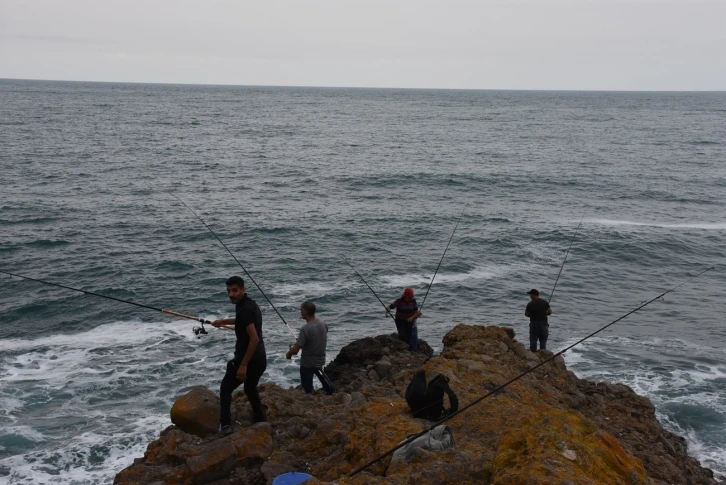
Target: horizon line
(160,83)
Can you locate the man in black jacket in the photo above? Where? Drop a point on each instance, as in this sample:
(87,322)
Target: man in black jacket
(537,311)
(250,360)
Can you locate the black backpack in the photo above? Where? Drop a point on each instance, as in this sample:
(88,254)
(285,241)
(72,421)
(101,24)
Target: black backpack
(427,401)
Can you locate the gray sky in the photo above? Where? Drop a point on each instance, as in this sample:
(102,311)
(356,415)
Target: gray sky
(487,44)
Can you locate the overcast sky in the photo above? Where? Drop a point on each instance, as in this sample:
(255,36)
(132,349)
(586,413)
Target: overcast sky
(482,44)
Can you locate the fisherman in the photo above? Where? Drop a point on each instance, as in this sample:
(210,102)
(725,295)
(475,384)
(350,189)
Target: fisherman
(250,360)
(406,315)
(313,340)
(537,311)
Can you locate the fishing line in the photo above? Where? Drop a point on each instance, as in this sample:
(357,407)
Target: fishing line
(197,330)
(565,259)
(501,387)
(442,259)
(388,313)
(240,264)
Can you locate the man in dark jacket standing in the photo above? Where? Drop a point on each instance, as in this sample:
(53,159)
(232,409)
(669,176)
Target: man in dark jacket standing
(537,311)
(250,360)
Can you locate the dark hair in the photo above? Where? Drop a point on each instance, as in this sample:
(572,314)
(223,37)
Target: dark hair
(308,307)
(236,281)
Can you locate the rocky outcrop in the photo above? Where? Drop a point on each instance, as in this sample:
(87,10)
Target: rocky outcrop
(549,427)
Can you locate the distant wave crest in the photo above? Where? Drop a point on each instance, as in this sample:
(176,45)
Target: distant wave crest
(691,225)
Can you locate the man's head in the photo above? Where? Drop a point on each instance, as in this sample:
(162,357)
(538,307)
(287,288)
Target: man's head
(236,289)
(533,294)
(307,311)
(407,294)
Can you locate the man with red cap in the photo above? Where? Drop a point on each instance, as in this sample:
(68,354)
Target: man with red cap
(406,315)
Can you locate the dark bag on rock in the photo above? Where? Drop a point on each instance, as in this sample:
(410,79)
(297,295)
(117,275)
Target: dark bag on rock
(427,400)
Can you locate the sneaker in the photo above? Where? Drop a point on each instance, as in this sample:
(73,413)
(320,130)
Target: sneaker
(226,430)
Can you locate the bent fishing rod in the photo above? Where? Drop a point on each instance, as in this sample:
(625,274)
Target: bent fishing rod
(197,330)
(514,379)
(240,264)
(565,259)
(388,313)
(442,259)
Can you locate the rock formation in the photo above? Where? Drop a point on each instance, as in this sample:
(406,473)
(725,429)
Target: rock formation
(548,427)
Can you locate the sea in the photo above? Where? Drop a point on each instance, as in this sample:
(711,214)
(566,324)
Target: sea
(298,182)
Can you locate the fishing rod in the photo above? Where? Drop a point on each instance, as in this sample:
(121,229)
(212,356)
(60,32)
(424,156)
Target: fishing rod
(442,259)
(501,387)
(388,313)
(197,330)
(240,264)
(565,259)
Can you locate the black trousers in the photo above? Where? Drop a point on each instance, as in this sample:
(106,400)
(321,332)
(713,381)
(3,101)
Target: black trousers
(538,331)
(255,368)
(306,379)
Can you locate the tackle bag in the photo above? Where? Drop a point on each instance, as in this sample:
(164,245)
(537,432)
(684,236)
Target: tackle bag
(427,400)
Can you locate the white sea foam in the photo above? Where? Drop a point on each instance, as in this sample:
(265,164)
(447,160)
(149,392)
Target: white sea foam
(418,279)
(719,226)
(26,432)
(76,460)
(88,379)
(309,289)
(666,385)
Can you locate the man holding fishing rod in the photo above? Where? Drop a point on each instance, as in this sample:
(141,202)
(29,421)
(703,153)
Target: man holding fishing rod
(250,360)
(537,311)
(407,313)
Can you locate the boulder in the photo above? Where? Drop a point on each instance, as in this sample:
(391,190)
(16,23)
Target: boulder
(383,367)
(216,461)
(197,412)
(253,443)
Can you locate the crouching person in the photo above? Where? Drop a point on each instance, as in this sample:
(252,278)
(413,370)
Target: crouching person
(313,340)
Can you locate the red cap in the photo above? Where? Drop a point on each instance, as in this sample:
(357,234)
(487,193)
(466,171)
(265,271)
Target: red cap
(408,292)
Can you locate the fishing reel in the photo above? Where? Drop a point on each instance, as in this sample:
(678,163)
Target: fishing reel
(199,331)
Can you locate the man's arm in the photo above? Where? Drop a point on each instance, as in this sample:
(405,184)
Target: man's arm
(549,310)
(224,321)
(293,351)
(415,316)
(254,340)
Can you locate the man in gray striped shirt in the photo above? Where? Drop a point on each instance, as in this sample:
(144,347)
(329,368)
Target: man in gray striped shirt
(313,340)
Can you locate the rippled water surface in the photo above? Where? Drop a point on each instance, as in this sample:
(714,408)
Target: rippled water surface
(296,179)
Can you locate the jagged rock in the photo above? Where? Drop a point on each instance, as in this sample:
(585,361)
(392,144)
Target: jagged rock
(270,470)
(253,443)
(549,427)
(570,455)
(383,367)
(197,412)
(518,349)
(357,399)
(529,355)
(216,461)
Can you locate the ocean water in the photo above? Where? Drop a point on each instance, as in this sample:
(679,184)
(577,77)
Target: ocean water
(294,180)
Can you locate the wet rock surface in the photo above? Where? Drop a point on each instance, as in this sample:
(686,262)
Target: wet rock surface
(548,427)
